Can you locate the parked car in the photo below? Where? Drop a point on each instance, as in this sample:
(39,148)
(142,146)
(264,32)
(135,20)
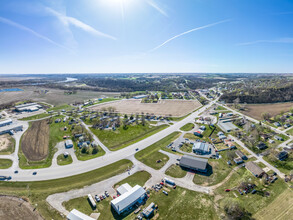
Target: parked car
(136,149)
(34,173)
(16,171)
(165,192)
(227,190)
(106,193)
(253,191)
(97,198)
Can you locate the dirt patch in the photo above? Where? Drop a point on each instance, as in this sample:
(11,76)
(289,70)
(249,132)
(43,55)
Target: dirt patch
(175,108)
(256,110)
(12,208)
(5,142)
(35,141)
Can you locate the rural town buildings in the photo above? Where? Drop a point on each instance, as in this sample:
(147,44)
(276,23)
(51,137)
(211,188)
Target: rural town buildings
(29,107)
(128,198)
(8,126)
(194,163)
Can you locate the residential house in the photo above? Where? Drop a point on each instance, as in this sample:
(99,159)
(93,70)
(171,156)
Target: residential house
(261,146)
(278,138)
(241,154)
(283,155)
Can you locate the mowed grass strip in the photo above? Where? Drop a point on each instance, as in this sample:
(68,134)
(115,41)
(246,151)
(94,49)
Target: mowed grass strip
(176,171)
(121,138)
(280,208)
(35,141)
(138,178)
(35,117)
(151,154)
(38,191)
(5,163)
(61,160)
(187,127)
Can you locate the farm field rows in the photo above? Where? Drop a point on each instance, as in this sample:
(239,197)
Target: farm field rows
(176,108)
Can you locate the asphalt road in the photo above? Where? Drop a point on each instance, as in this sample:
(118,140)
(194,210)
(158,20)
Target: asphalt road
(54,172)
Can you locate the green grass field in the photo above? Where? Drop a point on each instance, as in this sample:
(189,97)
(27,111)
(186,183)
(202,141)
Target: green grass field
(61,160)
(5,163)
(34,117)
(37,192)
(121,138)
(176,171)
(151,154)
(60,108)
(138,178)
(187,127)
(186,147)
(218,170)
(285,166)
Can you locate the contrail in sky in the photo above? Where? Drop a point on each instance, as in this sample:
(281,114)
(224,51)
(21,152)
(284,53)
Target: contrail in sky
(187,32)
(66,20)
(155,6)
(24,28)
(287,40)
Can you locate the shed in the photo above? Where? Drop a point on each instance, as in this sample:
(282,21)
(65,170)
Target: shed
(254,169)
(194,163)
(68,144)
(77,215)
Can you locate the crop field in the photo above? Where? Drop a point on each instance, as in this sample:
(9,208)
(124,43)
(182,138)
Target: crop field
(35,141)
(256,110)
(176,108)
(53,96)
(280,209)
(14,208)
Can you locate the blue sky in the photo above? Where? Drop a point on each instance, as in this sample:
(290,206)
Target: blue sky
(112,36)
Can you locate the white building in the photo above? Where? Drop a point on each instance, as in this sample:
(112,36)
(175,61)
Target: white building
(129,197)
(77,215)
(29,107)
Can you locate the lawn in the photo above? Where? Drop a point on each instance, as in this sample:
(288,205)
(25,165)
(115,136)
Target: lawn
(285,166)
(38,191)
(55,135)
(186,148)
(151,154)
(116,140)
(221,108)
(5,163)
(180,201)
(218,170)
(61,160)
(89,155)
(252,202)
(138,178)
(176,171)
(34,117)
(205,134)
(187,127)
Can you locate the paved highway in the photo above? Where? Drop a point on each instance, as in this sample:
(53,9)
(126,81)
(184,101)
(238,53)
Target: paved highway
(54,172)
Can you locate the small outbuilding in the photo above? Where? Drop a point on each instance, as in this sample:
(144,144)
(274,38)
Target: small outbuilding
(68,144)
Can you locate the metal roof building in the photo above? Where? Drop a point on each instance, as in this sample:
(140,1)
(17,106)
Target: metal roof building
(201,148)
(123,188)
(68,144)
(5,122)
(254,169)
(124,202)
(77,215)
(227,126)
(194,163)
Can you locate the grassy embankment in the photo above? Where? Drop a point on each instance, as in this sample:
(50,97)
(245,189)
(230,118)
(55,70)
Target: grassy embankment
(5,163)
(151,154)
(61,160)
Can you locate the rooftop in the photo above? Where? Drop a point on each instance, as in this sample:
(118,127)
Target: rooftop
(194,162)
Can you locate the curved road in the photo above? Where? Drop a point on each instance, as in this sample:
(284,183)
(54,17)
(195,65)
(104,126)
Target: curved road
(54,172)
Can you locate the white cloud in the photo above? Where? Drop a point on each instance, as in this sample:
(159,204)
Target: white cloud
(24,28)
(66,20)
(187,32)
